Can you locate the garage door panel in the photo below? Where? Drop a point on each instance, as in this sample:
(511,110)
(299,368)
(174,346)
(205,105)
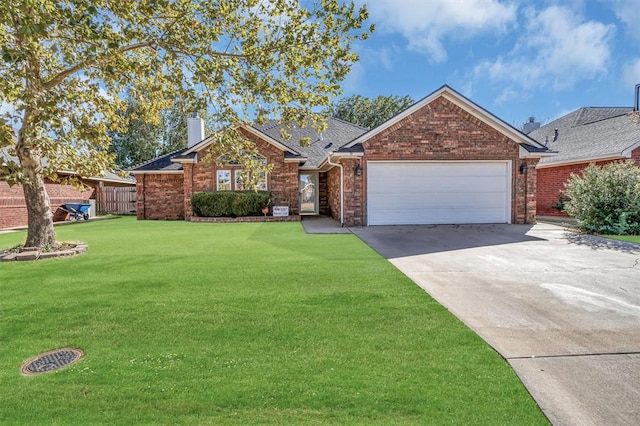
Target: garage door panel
(451,200)
(438,192)
(439,217)
(436,185)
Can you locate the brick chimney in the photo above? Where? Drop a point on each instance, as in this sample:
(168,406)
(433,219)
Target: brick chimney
(195,130)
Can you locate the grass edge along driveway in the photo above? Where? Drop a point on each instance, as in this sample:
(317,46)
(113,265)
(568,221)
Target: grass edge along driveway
(239,324)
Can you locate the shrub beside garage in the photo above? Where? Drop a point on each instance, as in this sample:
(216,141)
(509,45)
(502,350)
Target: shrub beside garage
(605,200)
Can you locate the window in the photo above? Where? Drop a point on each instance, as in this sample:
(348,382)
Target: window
(234,178)
(262,182)
(224,180)
(239,180)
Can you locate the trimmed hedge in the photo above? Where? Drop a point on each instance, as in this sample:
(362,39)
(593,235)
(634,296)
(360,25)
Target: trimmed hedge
(230,203)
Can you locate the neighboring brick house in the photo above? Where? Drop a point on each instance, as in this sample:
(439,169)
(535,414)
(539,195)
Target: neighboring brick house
(443,160)
(13,208)
(585,136)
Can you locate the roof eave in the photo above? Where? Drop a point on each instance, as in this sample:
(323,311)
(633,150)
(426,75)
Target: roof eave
(182,160)
(156,172)
(295,159)
(524,153)
(611,157)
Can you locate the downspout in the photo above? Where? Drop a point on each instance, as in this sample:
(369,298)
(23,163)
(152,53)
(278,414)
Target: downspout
(341,187)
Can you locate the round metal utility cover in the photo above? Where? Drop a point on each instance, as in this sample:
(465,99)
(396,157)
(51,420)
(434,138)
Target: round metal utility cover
(52,360)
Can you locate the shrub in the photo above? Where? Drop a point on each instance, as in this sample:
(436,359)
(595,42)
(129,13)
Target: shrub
(229,203)
(606,199)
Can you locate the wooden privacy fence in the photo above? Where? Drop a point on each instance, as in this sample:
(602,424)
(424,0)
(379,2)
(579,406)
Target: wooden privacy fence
(116,200)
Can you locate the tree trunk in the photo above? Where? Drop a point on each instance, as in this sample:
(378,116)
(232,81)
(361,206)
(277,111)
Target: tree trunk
(40,219)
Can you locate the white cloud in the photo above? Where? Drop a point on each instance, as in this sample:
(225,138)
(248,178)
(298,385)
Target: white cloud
(631,73)
(426,24)
(628,11)
(557,49)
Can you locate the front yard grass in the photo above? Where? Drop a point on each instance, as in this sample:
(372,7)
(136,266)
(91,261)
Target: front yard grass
(627,238)
(185,323)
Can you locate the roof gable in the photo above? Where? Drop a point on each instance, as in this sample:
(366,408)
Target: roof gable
(528,144)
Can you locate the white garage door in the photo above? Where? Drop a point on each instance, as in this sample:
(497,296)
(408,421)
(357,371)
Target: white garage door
(443,192)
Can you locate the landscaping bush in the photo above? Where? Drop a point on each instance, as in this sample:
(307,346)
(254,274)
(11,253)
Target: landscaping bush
(606,199)
(230,203)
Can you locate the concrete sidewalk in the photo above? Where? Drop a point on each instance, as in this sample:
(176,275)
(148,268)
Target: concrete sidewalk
(562,308)
(323,225)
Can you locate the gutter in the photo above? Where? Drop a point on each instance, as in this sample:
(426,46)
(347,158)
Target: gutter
(341,186)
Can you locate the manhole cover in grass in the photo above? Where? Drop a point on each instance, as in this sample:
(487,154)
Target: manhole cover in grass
(52,360)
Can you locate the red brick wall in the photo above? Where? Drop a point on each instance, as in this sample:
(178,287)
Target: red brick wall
(282,181)
(333,193)
(168,196)
(442,131)
(160,196)
(551,182)
(13,210)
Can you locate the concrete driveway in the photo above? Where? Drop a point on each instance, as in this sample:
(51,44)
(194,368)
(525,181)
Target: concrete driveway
(562,308)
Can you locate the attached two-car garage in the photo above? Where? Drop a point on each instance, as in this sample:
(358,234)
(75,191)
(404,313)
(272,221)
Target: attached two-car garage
(438,192)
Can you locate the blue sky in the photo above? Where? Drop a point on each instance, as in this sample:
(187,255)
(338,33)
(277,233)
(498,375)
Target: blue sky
(516,59)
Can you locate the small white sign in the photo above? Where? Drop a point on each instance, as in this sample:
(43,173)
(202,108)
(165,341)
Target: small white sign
(281,210)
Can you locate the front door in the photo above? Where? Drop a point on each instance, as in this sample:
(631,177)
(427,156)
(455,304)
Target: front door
(308,193)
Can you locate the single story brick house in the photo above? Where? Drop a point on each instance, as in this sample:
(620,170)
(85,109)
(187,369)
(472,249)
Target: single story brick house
(584,136)
(444,160)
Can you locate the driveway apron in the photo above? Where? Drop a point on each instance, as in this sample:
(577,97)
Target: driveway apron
(562,308)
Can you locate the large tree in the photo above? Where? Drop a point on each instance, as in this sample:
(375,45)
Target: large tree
(369,112)
(66,64)
(142,141)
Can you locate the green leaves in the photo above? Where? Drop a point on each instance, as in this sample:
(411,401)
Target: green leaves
(367,112)
(606,199)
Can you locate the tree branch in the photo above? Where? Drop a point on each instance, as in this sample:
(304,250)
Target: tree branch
(85,64)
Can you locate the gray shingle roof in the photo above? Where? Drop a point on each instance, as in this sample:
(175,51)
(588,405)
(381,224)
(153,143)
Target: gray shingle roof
(162,163)
(337,134)
(588,134)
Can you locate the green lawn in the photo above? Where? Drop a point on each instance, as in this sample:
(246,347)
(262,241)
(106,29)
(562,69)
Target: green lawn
(239,324)
(627,238)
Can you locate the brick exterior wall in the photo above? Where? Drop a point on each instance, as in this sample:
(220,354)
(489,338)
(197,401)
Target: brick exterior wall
(439,131)
(333,193)
(160,196)
(168,196)
(13,209)
(551,182)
